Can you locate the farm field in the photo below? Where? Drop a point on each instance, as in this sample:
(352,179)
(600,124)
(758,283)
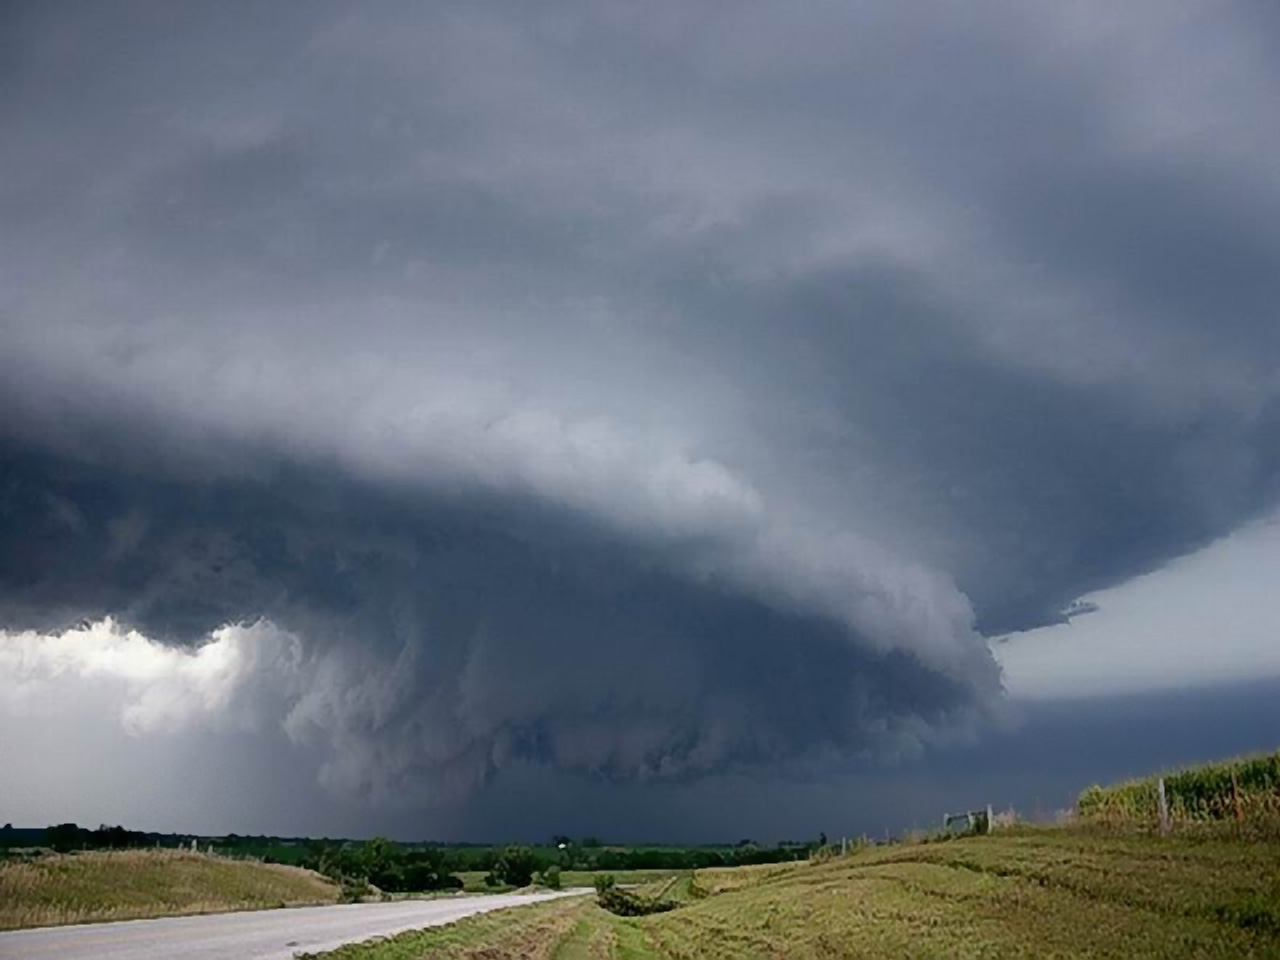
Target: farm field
(1025,893)
(473,881)
(137,884)
(1243,791)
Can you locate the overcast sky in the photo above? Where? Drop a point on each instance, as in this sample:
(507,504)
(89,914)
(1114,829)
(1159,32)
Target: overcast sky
(485,418)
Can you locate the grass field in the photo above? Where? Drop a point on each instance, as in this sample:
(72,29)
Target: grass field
(586,878)
(1026,893)
(129,885)
(473,880)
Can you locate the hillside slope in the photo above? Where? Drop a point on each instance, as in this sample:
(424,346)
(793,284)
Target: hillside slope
(1030,893)
(134,884)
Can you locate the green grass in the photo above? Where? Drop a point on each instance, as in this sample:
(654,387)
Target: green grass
(1025,893)
(587,878)
(135,884)
(473,880)
(536,931)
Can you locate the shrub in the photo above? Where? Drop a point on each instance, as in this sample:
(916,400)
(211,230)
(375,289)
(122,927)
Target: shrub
(353,889)
(551,877)
(627,904)
(824,853)
(515,866)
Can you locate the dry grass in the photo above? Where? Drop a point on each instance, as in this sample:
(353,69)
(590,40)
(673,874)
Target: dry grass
(136,884)
(723,879)
(535,932)
(1023,893)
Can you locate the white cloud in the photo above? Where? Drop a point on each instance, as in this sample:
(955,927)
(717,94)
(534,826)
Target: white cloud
(148,687)
(1208,618)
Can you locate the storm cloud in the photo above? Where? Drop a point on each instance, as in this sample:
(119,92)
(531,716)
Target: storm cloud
(642,391)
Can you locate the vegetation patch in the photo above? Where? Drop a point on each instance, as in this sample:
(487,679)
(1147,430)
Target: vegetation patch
(628,903)
(137,884)
(534,932)
(424,867)
(1019,893)
(1245,790)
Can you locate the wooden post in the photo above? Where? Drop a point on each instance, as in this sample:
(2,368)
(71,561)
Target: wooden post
(1163,808)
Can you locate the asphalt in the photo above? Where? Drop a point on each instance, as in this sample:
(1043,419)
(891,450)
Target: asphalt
(258,935)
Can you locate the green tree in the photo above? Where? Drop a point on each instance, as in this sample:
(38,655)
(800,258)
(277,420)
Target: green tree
(381,861)
(65,836)
(515,866)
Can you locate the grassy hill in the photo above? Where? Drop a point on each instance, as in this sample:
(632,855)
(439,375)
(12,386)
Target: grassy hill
(133,884)
(1024,893)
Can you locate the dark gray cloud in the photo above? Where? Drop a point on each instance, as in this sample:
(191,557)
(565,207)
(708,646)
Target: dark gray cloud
(448,637)
(1038,767)
(649,390)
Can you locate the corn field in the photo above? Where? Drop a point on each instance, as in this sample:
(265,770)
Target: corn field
(1202,795)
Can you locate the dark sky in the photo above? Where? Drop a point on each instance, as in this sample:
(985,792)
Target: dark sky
(497,417)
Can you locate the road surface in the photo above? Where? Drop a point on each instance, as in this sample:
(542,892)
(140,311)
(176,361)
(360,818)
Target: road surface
(258,935)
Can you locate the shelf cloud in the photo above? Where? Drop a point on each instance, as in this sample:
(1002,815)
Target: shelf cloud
(638,392)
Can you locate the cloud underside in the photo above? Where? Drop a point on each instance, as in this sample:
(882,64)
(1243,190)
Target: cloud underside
(425,644)
(644,393)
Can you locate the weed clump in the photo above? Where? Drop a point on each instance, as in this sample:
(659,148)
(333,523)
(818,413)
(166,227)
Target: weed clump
(624,903)
(551,878)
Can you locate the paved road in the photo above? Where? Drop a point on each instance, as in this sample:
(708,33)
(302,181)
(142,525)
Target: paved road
(260,935)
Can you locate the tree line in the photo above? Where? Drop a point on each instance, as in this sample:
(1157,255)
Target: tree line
(414,867)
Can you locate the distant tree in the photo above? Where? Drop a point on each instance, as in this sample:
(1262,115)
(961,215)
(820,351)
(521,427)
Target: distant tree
(381,861)
(516,866)
(65,836)
(822,839)
(116,838)
(423,870)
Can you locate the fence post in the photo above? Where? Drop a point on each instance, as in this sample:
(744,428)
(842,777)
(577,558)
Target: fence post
(1163,808)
